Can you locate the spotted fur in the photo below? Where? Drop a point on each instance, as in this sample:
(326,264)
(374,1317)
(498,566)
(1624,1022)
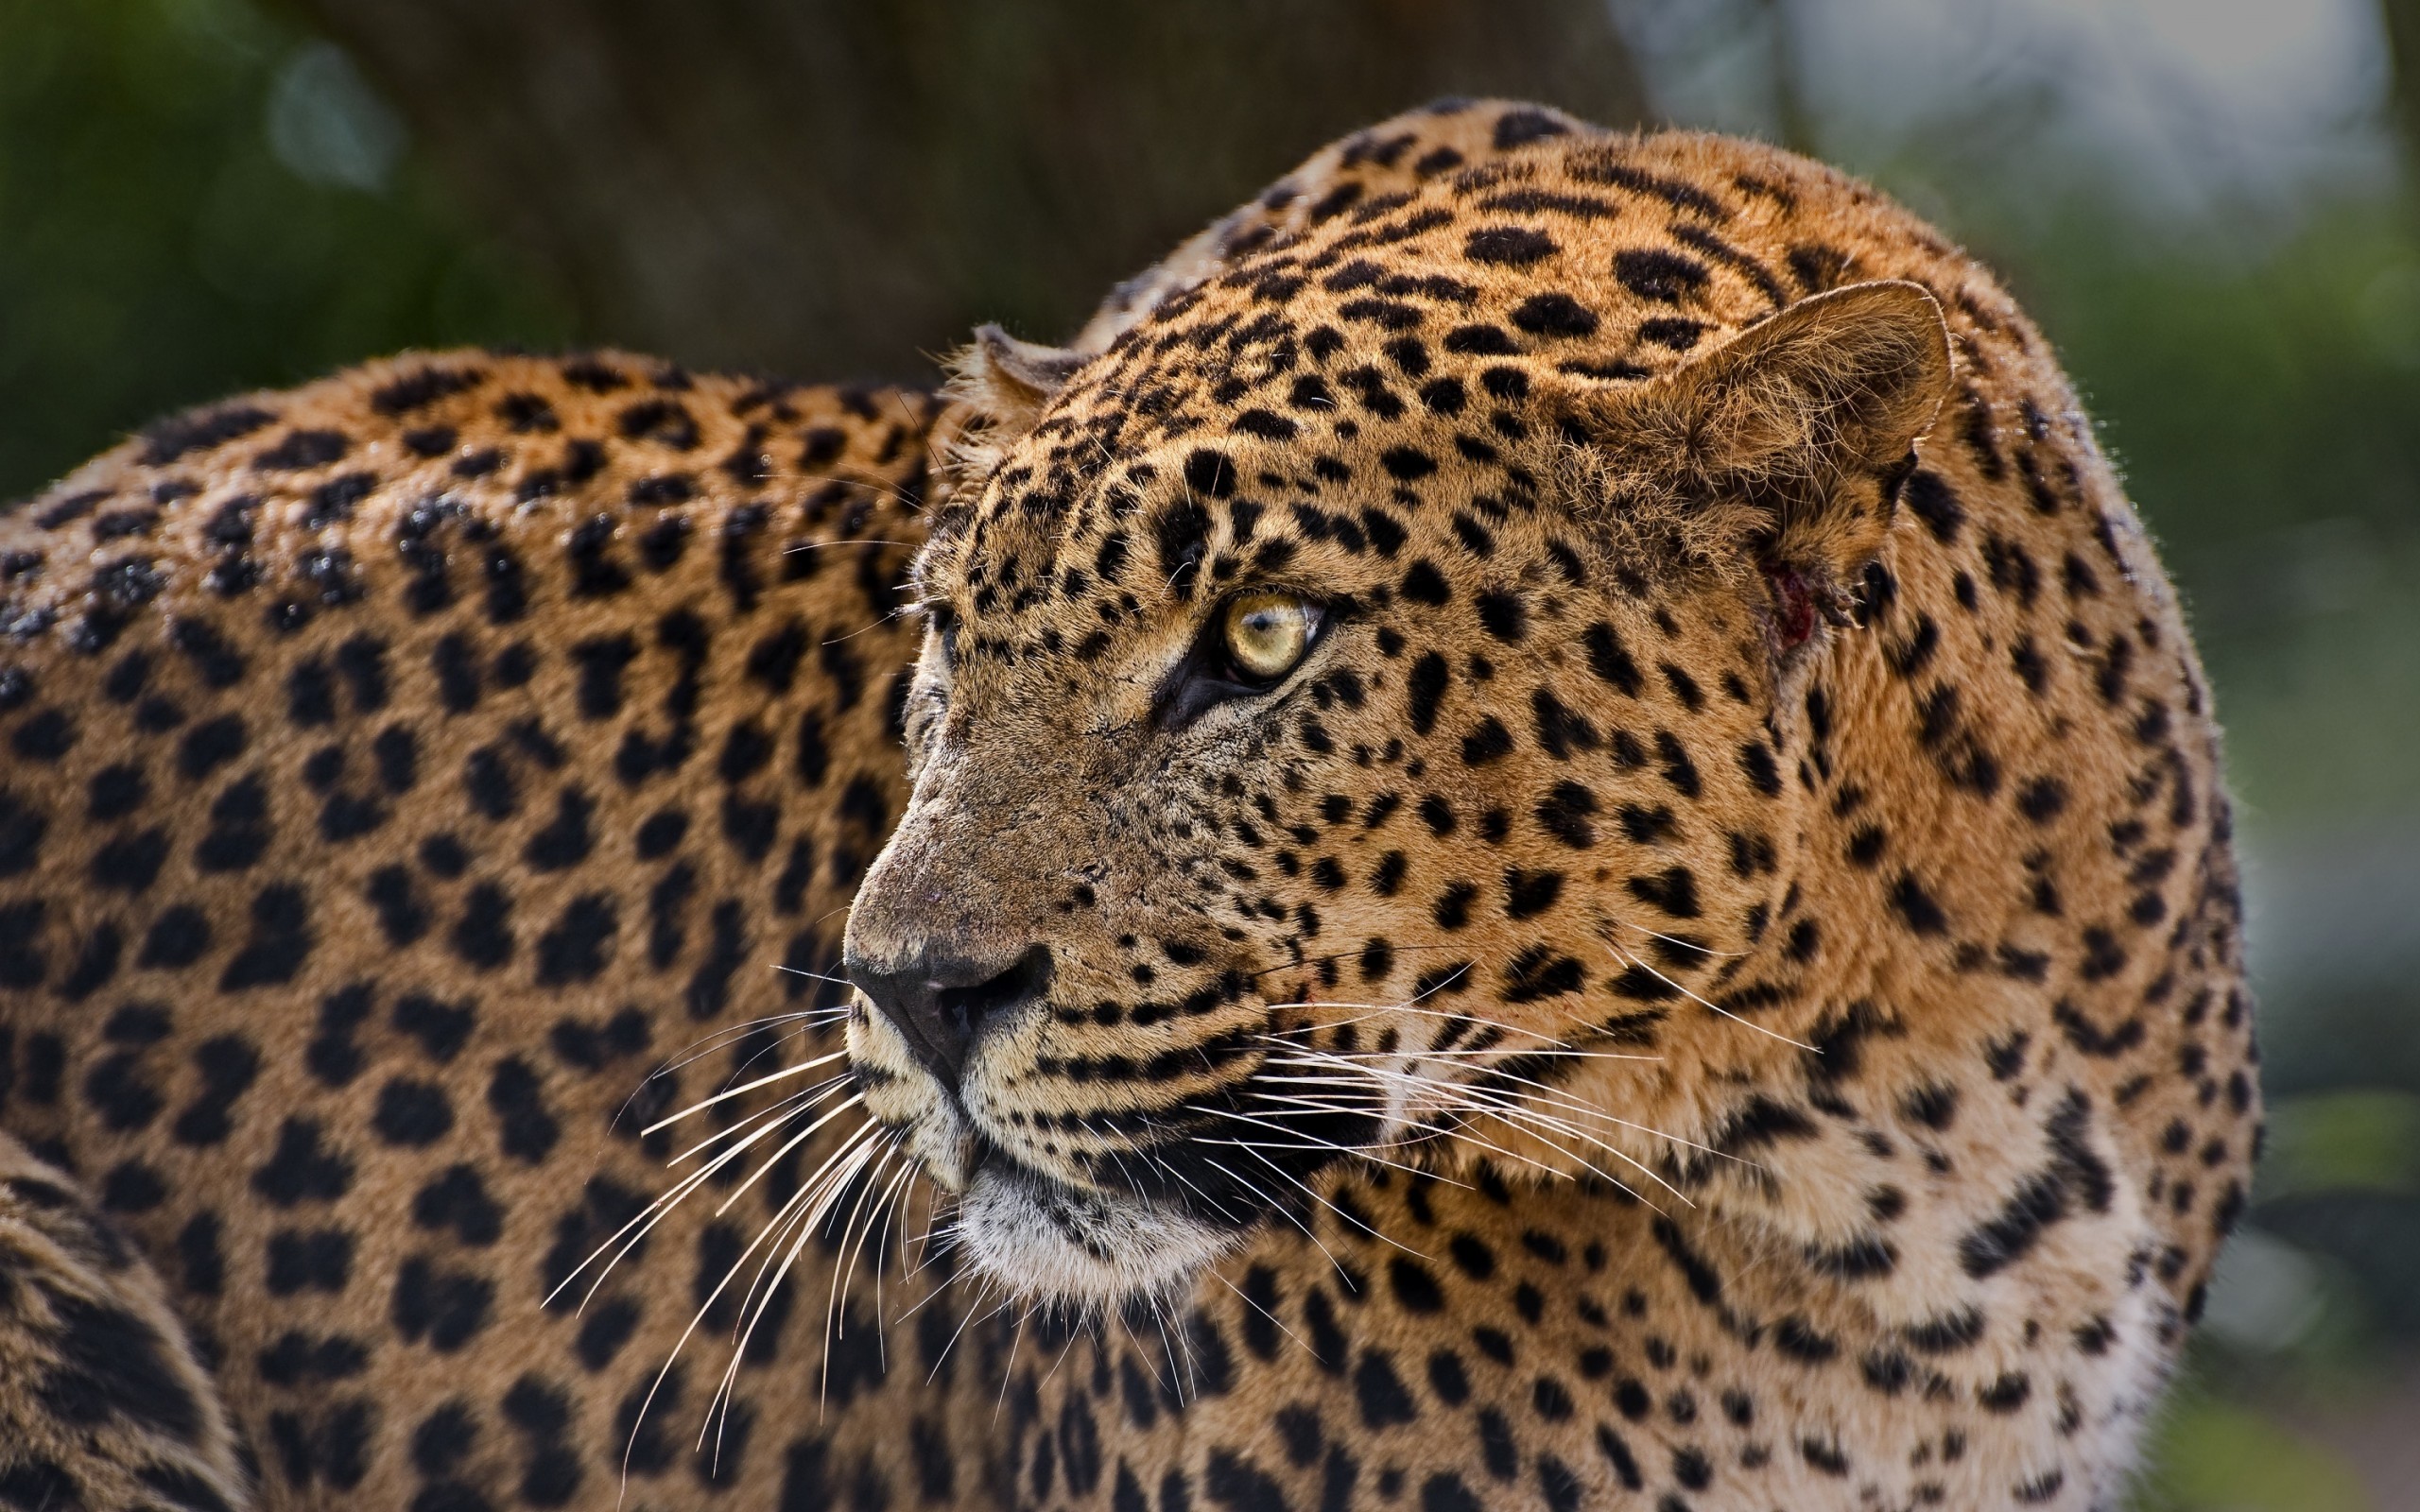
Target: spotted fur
(1716,981)
(406,777)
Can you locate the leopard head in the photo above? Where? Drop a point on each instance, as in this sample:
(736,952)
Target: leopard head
(1356,722)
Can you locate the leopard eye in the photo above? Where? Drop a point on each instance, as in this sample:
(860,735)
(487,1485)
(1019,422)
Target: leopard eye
(1268,633)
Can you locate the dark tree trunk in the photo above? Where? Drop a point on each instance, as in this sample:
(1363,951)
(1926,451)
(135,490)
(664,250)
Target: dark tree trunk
(2402,18)
(836,187)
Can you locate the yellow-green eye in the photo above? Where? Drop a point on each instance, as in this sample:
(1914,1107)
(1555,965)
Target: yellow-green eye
(1268,633)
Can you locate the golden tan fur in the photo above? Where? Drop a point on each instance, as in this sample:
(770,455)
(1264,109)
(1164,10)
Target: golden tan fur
(1896,1147)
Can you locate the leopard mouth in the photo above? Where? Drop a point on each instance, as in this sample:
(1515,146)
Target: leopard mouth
(1134,1206)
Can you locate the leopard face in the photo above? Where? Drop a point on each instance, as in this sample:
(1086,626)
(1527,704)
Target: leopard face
(1350,721)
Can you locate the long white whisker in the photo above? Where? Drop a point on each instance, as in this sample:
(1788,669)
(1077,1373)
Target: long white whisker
(1629,959)
(783,1075)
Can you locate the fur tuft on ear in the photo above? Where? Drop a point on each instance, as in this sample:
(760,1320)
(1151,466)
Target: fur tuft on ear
(1786,446)
(1009,381)
(998,388)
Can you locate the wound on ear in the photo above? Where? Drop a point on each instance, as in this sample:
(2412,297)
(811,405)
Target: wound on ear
(1794,596)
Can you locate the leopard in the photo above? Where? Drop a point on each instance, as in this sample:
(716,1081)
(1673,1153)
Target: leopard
(1534,831)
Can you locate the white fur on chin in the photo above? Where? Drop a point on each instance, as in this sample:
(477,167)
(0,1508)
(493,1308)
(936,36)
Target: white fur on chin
(1016,1240)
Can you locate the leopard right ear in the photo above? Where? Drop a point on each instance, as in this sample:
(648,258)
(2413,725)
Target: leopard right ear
(1008,383)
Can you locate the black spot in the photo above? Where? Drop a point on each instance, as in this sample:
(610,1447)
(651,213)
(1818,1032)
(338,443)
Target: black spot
(1554,314)
(457,1200)
(1932,502)
(426,386)
(447,1309)
(1528,894)
(1909,900)
(1209,472)
(1673,890)
(1652,273)
(318,1260)
(1523,125)
(1380,1393)
(526,1130)
(413,1113)
(1487,742)
(280,940)
(168,440)
(581,944)
(483,937)
(1423,584)
(300,1170)
(305,449)
(1515,245)
(1425,690)
(1565,812)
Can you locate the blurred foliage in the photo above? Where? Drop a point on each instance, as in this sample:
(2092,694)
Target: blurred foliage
(156,251)
(2264,414)
(2343,1141)
(203,196)
(2207,1456)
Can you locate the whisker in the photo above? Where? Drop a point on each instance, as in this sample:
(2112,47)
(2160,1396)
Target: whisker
(1628,959)
(1350,1221)
(1478,1098)
(1275,1206)
(783,1075)
(818,976)
(1447,1055)
(1683,944)
(1359,1152)
(797,1139)
(787,1106)
(1468,1100)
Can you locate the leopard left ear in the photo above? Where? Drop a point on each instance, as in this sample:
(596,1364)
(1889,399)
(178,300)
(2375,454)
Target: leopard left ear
(1006,382)
(998,387)
(1790,440)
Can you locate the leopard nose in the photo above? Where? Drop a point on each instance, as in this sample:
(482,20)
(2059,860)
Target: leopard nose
(941,1002)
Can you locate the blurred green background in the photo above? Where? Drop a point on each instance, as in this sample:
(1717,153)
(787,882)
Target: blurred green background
(2213,206)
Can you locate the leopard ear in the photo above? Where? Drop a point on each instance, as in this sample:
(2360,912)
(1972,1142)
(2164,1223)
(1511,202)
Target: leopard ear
(998,388)
(1792,439)
(1007,382)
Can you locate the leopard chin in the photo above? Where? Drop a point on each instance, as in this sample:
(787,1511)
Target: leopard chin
(1040,1240)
